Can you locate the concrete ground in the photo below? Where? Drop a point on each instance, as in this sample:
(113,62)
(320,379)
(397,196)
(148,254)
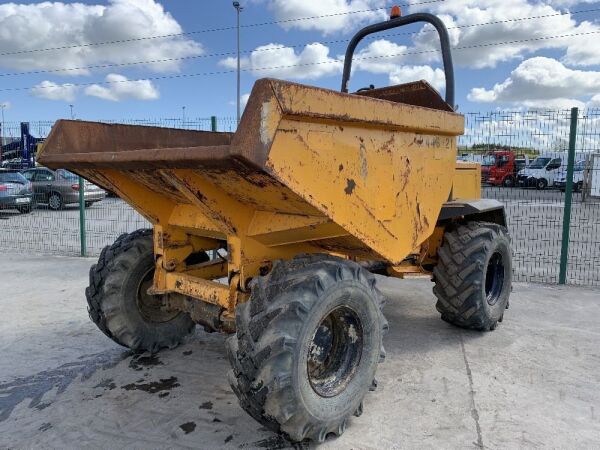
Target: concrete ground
(532,383)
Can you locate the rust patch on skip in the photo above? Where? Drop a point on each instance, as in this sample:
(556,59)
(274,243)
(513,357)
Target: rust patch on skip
(351,184)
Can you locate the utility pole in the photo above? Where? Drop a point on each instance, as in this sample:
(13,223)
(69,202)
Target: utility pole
(183,117)
(72,115)
(3,131)
(239,9)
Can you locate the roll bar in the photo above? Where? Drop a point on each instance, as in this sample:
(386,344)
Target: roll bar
(400,22)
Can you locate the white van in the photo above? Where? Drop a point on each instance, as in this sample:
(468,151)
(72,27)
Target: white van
(542,171)
(560,181)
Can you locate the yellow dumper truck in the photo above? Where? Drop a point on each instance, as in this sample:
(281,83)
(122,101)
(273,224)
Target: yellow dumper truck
(315,192)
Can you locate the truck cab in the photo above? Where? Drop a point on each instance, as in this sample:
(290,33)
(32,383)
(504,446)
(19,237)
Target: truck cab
(499,168)
(541,173)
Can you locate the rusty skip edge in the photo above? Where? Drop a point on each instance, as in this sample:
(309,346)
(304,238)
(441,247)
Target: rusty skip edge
(74,144)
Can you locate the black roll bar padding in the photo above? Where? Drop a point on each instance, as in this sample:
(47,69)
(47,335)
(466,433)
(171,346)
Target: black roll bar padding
(399,22)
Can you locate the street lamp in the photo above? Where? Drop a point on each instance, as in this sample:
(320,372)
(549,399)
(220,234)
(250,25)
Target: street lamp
(3,131)
(239,9)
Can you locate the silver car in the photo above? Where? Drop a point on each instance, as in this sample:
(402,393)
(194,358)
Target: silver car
(58,188)
(15,191)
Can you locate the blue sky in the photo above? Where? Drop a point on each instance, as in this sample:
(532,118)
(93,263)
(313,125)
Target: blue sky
(537,70)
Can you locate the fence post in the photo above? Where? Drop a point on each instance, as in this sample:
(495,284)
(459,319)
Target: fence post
(213,127)
(82,237)
(564,249)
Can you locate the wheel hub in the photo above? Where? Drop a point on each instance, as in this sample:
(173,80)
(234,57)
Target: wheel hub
(152,307)
(54,202)
(335,351)
(494,279)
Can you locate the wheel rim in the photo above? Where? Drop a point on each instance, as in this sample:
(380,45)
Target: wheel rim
(335,351)
(151,306)
(54,201)
(494,278)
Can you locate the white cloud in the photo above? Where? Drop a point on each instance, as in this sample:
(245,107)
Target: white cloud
(25,27)
(594,102)
(507,25)
(54,91)
(385,57)
(541,82)
(334,15)
(276,60)
(120,88)
(380,56)
(404,74)
(244,100)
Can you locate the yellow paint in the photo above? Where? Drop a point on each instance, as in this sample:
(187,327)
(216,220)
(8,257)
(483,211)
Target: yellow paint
(316,171)
(467,181)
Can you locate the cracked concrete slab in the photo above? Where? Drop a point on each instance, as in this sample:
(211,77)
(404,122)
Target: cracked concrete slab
(534,382)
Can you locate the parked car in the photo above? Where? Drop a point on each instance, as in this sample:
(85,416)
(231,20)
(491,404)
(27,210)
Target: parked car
(561,178)
(15,191)
(540,173)
(58,188)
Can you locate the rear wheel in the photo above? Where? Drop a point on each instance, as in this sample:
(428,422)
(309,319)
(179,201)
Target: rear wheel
(88,204)
(55,201)
(307,346)
(25,209)
(473,277)
(508,182)
(118,299)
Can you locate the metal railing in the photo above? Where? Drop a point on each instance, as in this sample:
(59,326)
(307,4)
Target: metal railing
(555,228)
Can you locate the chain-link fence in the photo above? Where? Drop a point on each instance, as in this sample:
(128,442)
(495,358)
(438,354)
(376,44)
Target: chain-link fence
(524,157)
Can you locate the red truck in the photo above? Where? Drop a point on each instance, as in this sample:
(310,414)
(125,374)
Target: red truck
(500,168)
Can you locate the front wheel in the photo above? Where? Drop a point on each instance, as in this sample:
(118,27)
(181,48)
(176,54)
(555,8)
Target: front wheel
(473,277)
(541,183)
(307,346)
(118,299)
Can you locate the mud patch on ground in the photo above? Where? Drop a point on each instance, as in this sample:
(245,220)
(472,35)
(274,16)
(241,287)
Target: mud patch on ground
(187,353)
(274,443)
(42,406)
(45,426)
(107,384)
(188,427)
(141,362)
(206,405)
(153,387)
(34,387)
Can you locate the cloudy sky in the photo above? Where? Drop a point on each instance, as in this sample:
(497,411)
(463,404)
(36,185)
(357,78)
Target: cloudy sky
(126,59)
